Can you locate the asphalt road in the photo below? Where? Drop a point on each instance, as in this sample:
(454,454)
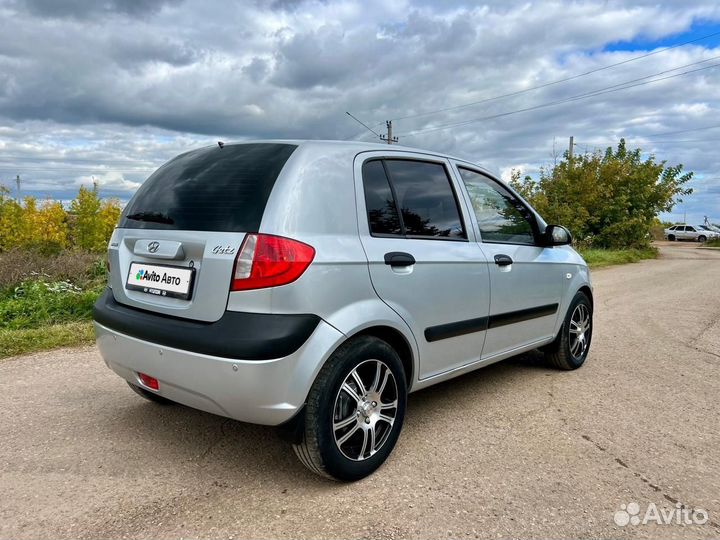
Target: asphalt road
(514,450)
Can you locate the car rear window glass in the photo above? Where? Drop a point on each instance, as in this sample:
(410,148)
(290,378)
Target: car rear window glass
(209,189)
(426,199)
(379,201)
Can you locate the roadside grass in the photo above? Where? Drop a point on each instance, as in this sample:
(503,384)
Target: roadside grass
(713,243)
(600,258)
(14,342)
(48,302)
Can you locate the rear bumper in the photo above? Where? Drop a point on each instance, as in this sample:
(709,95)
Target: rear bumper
(267,391)
(247,336)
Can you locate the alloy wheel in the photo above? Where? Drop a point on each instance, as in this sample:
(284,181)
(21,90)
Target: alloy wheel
(365,410)
(580,331)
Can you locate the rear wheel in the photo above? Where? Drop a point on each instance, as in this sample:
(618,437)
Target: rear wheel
(571,347)
(355,411)
(149,395)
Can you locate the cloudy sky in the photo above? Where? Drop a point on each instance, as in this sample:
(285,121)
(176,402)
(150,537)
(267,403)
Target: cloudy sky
(113,88)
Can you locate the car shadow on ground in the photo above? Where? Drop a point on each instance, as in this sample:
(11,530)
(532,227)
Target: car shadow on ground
(231,452)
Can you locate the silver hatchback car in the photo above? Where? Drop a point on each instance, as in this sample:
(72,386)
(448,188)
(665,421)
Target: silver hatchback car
(312,285)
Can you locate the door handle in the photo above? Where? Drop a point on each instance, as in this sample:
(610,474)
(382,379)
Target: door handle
(399,258)
(503,260)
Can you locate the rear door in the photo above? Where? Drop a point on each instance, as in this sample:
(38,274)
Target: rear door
(174,249)
(527,280)
(422,262)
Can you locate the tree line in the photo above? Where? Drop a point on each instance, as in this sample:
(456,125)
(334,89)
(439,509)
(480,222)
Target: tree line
(48,227)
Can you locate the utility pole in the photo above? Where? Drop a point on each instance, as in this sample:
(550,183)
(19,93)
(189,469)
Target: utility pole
(17,181)
(389,137)
(572,145)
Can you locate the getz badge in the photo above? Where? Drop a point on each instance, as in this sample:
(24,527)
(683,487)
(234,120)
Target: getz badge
(220,250)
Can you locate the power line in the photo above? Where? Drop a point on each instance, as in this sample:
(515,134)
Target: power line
(683,131)
(364,125)
(606,90)
(551,83)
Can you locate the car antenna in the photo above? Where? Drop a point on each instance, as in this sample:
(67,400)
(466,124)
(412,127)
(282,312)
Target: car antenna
(221,144)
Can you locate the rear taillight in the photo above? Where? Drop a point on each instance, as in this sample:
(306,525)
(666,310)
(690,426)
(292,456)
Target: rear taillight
(268,261)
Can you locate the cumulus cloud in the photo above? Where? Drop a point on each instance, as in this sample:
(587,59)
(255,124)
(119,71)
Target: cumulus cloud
(113,88)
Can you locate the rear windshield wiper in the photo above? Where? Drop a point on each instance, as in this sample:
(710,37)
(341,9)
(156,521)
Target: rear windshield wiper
(155,217)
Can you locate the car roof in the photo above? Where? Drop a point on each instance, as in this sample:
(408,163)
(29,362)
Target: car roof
(361,146)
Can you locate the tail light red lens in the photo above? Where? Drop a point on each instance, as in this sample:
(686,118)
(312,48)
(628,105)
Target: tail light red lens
(265,260)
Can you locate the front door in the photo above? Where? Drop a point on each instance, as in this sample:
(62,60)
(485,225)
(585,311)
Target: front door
(526,280)
(422,263)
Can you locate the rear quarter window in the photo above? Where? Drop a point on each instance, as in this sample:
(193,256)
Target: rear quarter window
(209,189)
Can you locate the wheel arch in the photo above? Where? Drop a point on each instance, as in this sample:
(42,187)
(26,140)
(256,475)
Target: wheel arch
(399,343)
(292,429)
(588,292)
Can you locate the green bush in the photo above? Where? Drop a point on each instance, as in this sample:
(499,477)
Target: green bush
(607,199)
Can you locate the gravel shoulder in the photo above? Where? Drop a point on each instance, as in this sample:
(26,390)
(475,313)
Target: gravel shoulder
(513,450)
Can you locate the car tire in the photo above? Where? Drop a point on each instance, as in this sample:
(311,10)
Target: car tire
(571,347)
(671,237)
(349,430)
(702,239)
(149,395)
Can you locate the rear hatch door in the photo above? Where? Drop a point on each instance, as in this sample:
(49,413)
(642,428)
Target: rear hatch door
(174,249)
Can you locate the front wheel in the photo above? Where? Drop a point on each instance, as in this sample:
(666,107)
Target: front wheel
(355,411)
(671,237)
(571,347)
(702,239)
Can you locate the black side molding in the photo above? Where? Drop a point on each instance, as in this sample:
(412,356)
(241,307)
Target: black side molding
(513,317)
(454,329)
(239,335)
(468,326)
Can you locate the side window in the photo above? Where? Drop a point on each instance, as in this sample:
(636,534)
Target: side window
(672,228)
(690,229)
(426,199)
(501,216)
(379,201)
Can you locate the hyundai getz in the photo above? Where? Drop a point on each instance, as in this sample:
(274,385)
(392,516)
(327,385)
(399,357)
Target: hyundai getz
(312,285)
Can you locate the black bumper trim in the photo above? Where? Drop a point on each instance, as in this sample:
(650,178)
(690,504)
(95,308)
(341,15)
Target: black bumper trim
(237,335)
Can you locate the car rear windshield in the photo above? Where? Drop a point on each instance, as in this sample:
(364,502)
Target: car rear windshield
(210,189)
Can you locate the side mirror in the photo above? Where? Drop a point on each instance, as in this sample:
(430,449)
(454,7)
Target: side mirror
(556,235)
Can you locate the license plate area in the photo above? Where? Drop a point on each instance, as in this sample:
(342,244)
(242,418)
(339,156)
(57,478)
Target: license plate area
(161,280)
